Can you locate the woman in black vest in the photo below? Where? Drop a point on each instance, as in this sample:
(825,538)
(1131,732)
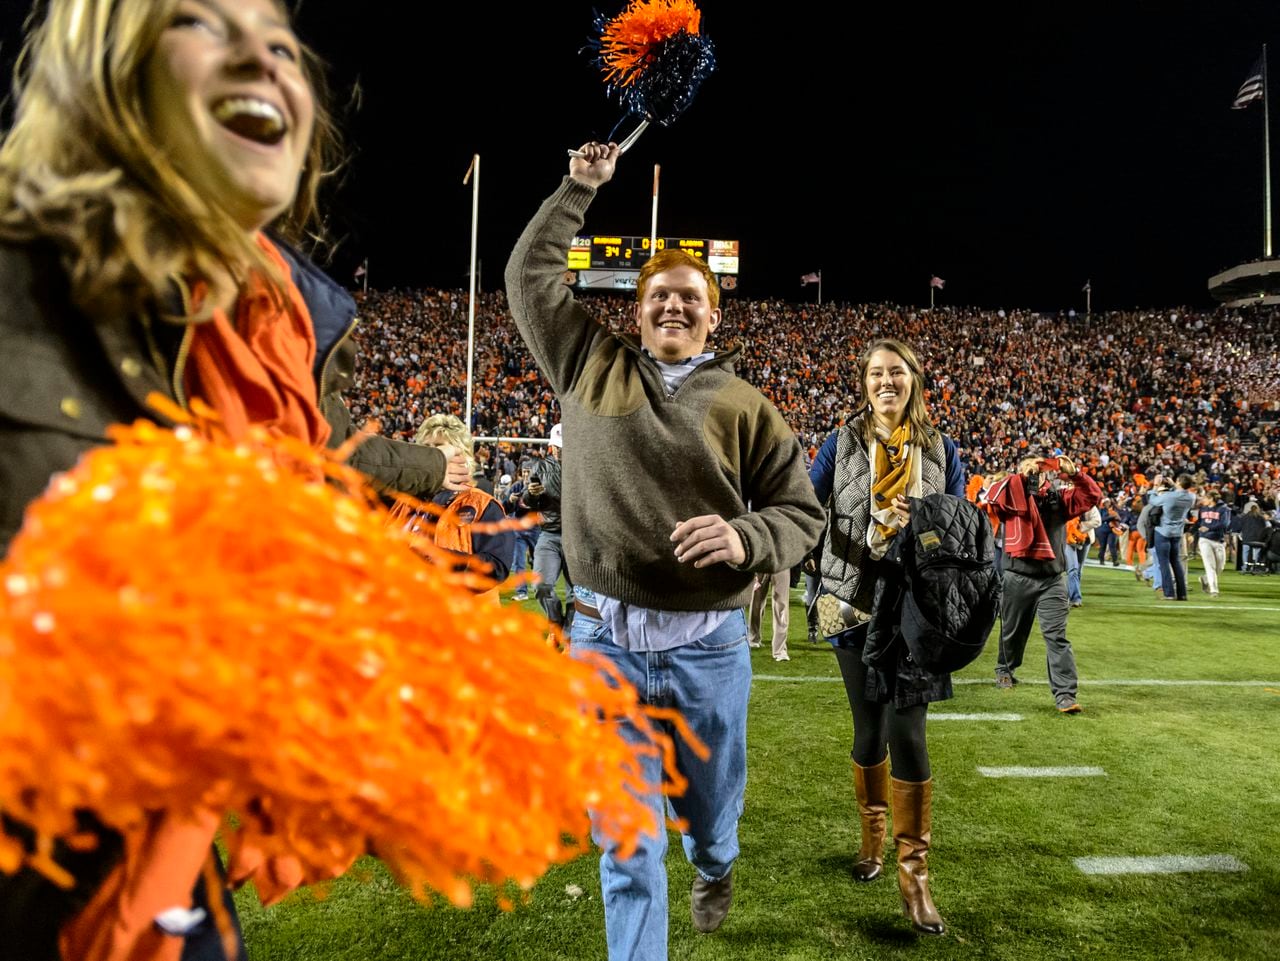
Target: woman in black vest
(864,473)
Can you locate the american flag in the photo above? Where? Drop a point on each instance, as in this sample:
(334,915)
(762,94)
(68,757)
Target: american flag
(936,282)
(362,269)
(1252,89)
(813,278)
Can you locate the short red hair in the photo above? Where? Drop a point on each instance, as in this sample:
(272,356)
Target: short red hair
(669,259)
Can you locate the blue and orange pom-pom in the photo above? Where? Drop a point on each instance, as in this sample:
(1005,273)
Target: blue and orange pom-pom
(654,57)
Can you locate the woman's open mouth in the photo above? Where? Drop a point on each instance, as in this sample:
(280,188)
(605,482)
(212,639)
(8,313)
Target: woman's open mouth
(251,118)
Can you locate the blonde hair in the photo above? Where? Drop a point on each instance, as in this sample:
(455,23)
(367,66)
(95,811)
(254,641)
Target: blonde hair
(453,430)
(922,429)
(81,168)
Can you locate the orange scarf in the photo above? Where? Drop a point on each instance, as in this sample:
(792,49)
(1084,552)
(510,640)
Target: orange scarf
(451,528)
(893,473)
(257,370)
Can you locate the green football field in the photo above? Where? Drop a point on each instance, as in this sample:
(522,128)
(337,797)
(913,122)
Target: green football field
(1147,828)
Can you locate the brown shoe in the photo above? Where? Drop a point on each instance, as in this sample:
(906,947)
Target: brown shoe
(912,829)
(871,787)
(709,902)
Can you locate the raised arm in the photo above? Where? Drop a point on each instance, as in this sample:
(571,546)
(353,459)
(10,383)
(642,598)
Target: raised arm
(1084,494)
(394,465)
(558,332)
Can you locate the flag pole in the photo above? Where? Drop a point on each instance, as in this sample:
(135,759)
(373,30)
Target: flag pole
(819,287)
(931,289)
(471,301)
(653,222)
(1266,155)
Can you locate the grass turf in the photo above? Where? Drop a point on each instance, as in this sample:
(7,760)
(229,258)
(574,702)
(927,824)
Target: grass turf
(1190,770)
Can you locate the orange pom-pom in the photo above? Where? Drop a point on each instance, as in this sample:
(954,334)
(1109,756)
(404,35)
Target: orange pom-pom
(627,41)
(191,625)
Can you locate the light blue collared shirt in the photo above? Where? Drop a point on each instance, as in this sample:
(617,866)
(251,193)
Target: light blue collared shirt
(636,628)
(673,375)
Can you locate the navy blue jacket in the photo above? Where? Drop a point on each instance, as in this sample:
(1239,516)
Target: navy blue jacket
(1214,521)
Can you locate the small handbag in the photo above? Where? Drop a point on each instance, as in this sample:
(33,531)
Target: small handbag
(835,616)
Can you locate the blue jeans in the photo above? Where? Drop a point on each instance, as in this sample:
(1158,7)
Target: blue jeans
(1075,557)
(1169,557)
(1108,543)
(1152,570)
(709,682)
(548,564)
(525,543)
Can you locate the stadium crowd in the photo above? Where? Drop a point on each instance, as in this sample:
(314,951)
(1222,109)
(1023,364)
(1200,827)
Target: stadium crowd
(1127,392)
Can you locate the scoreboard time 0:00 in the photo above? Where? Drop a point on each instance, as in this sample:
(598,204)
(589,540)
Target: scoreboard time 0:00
(630,253)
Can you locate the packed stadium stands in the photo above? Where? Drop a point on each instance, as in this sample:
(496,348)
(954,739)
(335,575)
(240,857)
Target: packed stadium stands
(1127,392)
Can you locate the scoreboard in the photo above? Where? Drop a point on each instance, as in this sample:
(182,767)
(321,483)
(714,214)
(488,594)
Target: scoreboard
(630,253)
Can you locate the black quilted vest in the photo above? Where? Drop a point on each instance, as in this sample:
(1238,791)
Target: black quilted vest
(952,591)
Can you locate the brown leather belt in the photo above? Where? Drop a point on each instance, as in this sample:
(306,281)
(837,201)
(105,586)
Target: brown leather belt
(582,607)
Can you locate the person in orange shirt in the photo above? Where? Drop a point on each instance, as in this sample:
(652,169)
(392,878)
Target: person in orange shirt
(1134,543)
(467,516)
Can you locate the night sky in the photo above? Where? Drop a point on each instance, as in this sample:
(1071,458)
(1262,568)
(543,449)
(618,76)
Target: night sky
(1015,150)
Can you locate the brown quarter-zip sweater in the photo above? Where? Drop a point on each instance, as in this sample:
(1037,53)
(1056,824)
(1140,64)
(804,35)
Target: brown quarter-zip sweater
(636,461)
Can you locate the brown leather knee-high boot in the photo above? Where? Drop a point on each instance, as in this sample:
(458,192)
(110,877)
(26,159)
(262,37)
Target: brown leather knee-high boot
(912,828)
(871,786)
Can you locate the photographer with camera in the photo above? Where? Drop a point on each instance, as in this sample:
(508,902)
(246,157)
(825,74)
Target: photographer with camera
(1175,504)
(543,495)
(1034,506)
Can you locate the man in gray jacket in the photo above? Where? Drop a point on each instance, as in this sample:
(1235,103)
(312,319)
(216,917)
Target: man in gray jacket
(543,496)
(665,448)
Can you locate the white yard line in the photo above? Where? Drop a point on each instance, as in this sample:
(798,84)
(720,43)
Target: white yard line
(1091,682)
(942,716)
(802,678)
(1127,682)
(1042,772)
(1165,864)
(1225,602)
(1188,606)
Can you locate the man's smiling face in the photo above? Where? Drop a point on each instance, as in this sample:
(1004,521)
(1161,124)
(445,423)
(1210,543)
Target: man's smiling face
(675,314)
